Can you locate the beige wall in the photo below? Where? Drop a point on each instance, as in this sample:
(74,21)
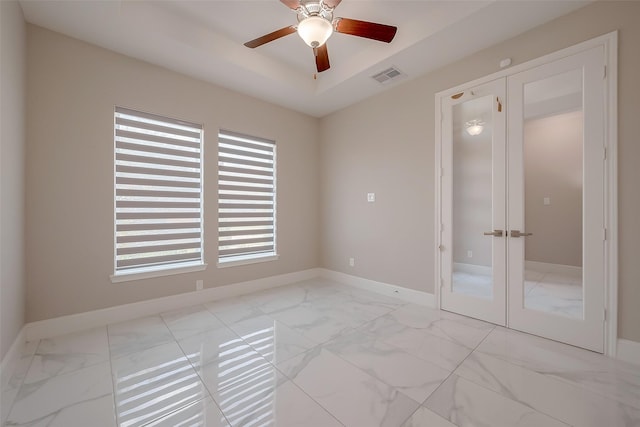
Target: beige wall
(386,144)
(383,145)
(553,169)
(72,90)
(12,143)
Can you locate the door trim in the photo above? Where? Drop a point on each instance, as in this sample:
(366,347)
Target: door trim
(610,44)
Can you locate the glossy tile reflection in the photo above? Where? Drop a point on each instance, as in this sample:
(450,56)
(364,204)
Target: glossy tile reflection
(272,339)
(153,383)
(315,354)
(204,413)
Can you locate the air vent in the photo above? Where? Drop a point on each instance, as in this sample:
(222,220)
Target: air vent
(386,76)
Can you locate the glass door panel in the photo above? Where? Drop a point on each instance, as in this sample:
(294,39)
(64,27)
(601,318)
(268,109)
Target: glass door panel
(553,170)
(473,203)
(472,196)
(556,200)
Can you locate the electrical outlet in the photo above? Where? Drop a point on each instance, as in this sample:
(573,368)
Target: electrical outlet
(371,197)
(469,254)
(199,285)
(352,262)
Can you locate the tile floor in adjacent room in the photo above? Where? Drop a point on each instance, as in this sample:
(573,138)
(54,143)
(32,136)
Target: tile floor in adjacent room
(558,293)
(320,354)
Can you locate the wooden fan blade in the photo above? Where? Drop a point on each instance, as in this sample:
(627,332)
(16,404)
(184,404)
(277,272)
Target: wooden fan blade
(270,37)
(293,4)
(332,3)
(369,30)
(322,58)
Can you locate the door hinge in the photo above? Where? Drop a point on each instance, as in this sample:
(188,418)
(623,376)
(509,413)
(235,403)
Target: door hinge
(604,72)
(604,153)
(441,282)
(441,172)
(604,234)
(441,227)
(499,105)
(604,314)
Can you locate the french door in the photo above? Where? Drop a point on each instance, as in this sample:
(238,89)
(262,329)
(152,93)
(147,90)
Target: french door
(474,203)
(523,201)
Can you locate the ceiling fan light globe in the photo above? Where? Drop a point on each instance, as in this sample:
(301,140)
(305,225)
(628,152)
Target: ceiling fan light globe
(474,127)
(315,31)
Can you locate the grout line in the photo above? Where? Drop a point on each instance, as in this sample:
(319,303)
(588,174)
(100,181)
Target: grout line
(184,354)
(456,368)
(113,384)
(496,392)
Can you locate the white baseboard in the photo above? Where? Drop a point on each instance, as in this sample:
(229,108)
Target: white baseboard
(91,319)
(629,351)
(96,318)
(545,267)
(482,270)
(405,294)
(12,357)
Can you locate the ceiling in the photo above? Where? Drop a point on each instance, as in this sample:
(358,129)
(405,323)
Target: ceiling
(204,39)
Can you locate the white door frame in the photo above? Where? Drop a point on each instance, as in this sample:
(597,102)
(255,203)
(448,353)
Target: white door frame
(610,44)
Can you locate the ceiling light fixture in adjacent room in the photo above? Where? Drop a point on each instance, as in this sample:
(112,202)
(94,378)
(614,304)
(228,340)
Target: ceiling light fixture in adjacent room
(474,127)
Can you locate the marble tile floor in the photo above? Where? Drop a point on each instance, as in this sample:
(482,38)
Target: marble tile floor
(556,293)
(315,353)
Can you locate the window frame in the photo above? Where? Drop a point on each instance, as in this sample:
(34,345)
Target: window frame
(167,268)
(247,257)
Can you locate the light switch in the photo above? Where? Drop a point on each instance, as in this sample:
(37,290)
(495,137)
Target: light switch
(547,201)
(371,197)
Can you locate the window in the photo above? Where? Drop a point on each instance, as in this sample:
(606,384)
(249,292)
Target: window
(246,199)
(158,194)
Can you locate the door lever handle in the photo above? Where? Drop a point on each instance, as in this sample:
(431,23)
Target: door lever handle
(496,233)
(518,233)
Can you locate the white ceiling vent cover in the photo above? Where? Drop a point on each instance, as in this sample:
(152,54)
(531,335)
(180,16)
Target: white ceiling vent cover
(388,75)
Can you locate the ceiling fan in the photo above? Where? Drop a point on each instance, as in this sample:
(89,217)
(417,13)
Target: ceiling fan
(316,24)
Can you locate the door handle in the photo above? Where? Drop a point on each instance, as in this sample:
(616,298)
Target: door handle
(518,233)
(496,233)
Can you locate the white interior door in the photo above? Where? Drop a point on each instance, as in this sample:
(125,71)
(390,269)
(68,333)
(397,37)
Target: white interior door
(473,243)
(556,200)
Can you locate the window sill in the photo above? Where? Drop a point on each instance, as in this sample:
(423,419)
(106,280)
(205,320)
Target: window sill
(148,274)
(233,262)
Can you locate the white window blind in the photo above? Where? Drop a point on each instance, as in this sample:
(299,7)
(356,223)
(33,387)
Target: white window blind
(158,192)
(246,197)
